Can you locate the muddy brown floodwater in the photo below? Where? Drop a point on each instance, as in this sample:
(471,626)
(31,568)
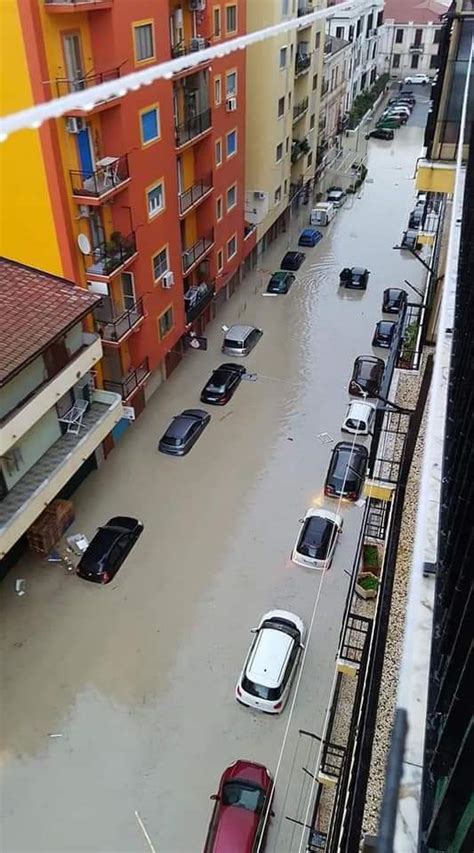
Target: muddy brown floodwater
(121,699)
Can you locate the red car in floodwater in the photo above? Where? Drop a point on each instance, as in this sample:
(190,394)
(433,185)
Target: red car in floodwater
(242,802)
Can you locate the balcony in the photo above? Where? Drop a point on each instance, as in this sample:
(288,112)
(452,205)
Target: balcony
(193,196)
(129,384)
(60,6)
(183,48)
(115,330)
(66,86)
(300,109)
(107,180)
(305,9)
(37,488)
(196,299)
(249,229)
(45,396)
(302,64)
(416,48)
(195,253)
(298,148)
(192,128)
(111,256)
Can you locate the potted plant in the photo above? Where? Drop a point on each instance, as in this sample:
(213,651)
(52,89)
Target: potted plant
(408,346)
(370,559)
(367,585)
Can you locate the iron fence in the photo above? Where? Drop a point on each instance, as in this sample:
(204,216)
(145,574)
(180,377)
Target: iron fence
(192,127)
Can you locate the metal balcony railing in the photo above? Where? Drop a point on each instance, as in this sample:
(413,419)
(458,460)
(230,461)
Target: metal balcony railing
(66,85)
(183,48)
(128,384)
(113,329)
(298,148)
(111,254)
(304,9)
(300,108)
(111,174)
(198,250)
(197,298)
(193,194)
(302,63)
(191,127)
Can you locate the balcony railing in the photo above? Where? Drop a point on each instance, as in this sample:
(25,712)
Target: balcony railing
(300,108)
(192,127)
(114,329)
(111,174)
(196,299)
(304,9)
(66,86)
(109,256)
(127,385)
(417,48)
(197,251)
(298,148)
(76,5)
(188,198)
(249,228)
(302,63)
(183,48)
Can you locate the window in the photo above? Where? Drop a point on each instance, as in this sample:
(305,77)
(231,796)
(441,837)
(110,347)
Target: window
(436,36)
(396,60)
(317,40)
(231,143)
(216,18)
(277,195)
(283,52)
(289,100)
(231,83)
(414,61)
(279,152)
(315,82)
(285,8)
(220,260)
(285,187)
(231,19)
(231,197)
(150,125)
(312,121)
(217,90)
(418,37)
(166,322)
(155,198)
(231,247)
(219,208)
(339,32)
(143,42)
(398,36)
(310,159)
(160,263)
(434,61)
(218,152)
(281,107)
(287,144)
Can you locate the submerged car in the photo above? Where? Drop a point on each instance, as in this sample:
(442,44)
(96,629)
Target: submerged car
(346,471)
(309,237)
(292,260)
(383,334)
(183,432)
(336,196)
(240,340)
(417,79)
(393,300)
(359,418)
(355,278)
(242,805)
(220,387)
(381,133)
(410,240)
(389,121)
(416,217)
(280,282)
(317,540)
(108,549)
(265,681)
(367,376)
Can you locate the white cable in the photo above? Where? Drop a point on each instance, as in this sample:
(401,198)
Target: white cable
(33,117)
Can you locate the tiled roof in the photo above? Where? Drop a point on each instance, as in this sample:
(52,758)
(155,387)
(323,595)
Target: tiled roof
(417,11)
(35,309)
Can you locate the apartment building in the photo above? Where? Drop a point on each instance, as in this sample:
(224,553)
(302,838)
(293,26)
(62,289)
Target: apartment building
(140,199)
(410,38)
(53,420)
(336,93)
(282,115)
(361,26)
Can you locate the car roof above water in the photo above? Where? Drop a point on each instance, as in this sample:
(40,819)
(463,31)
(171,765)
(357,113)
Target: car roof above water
(239,333)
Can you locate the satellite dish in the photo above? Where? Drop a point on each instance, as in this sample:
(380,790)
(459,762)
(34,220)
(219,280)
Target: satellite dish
(84,244)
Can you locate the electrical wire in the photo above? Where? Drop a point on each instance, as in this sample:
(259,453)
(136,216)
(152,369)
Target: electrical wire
(85,100)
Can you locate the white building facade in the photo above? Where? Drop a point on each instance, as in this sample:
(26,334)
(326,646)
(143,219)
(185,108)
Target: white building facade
(361,27)
(410,38)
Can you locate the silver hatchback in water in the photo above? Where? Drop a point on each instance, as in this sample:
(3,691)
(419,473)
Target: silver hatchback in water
(240,340)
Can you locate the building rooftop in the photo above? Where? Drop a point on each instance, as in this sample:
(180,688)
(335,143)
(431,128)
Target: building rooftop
(36,309)
(406,11)
(333,44)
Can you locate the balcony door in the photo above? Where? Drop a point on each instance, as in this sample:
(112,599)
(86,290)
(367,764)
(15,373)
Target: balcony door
(84,152)
(128,290)
(73,58)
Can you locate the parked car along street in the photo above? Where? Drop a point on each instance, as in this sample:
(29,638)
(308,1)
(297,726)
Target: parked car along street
(381,133)
(242,803)
(393,300)
(110,546)
(384,333)
(317,539)
(183,432)
(309,237)
(221,386)
(367,376)
(346,471)
(280,282)
(359,418)
(292,260)
(240,340)
(356,278)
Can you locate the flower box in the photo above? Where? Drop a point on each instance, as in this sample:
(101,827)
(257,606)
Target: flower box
(367,585)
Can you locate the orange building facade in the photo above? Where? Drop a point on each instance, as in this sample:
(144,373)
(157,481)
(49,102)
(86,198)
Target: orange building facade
(146,190)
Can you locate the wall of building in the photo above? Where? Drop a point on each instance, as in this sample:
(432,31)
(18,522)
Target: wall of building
(21,386)
(399,54)
(30,448)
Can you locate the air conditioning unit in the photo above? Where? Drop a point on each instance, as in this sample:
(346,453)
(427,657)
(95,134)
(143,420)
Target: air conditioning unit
(259,195)
(75,125)
(197,5)
(168,280)
(231,105)
(198,43)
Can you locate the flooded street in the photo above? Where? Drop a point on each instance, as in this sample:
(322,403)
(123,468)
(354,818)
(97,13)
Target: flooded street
(120,699)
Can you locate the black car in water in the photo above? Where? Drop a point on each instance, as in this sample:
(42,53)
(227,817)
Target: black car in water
(416,217)
(383,334)
(113,541)
(393,300)
(381,133)
(292,260)
(280,282)
(220,387)
(355,278)
(346,471)
(183,431)
(366,376)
